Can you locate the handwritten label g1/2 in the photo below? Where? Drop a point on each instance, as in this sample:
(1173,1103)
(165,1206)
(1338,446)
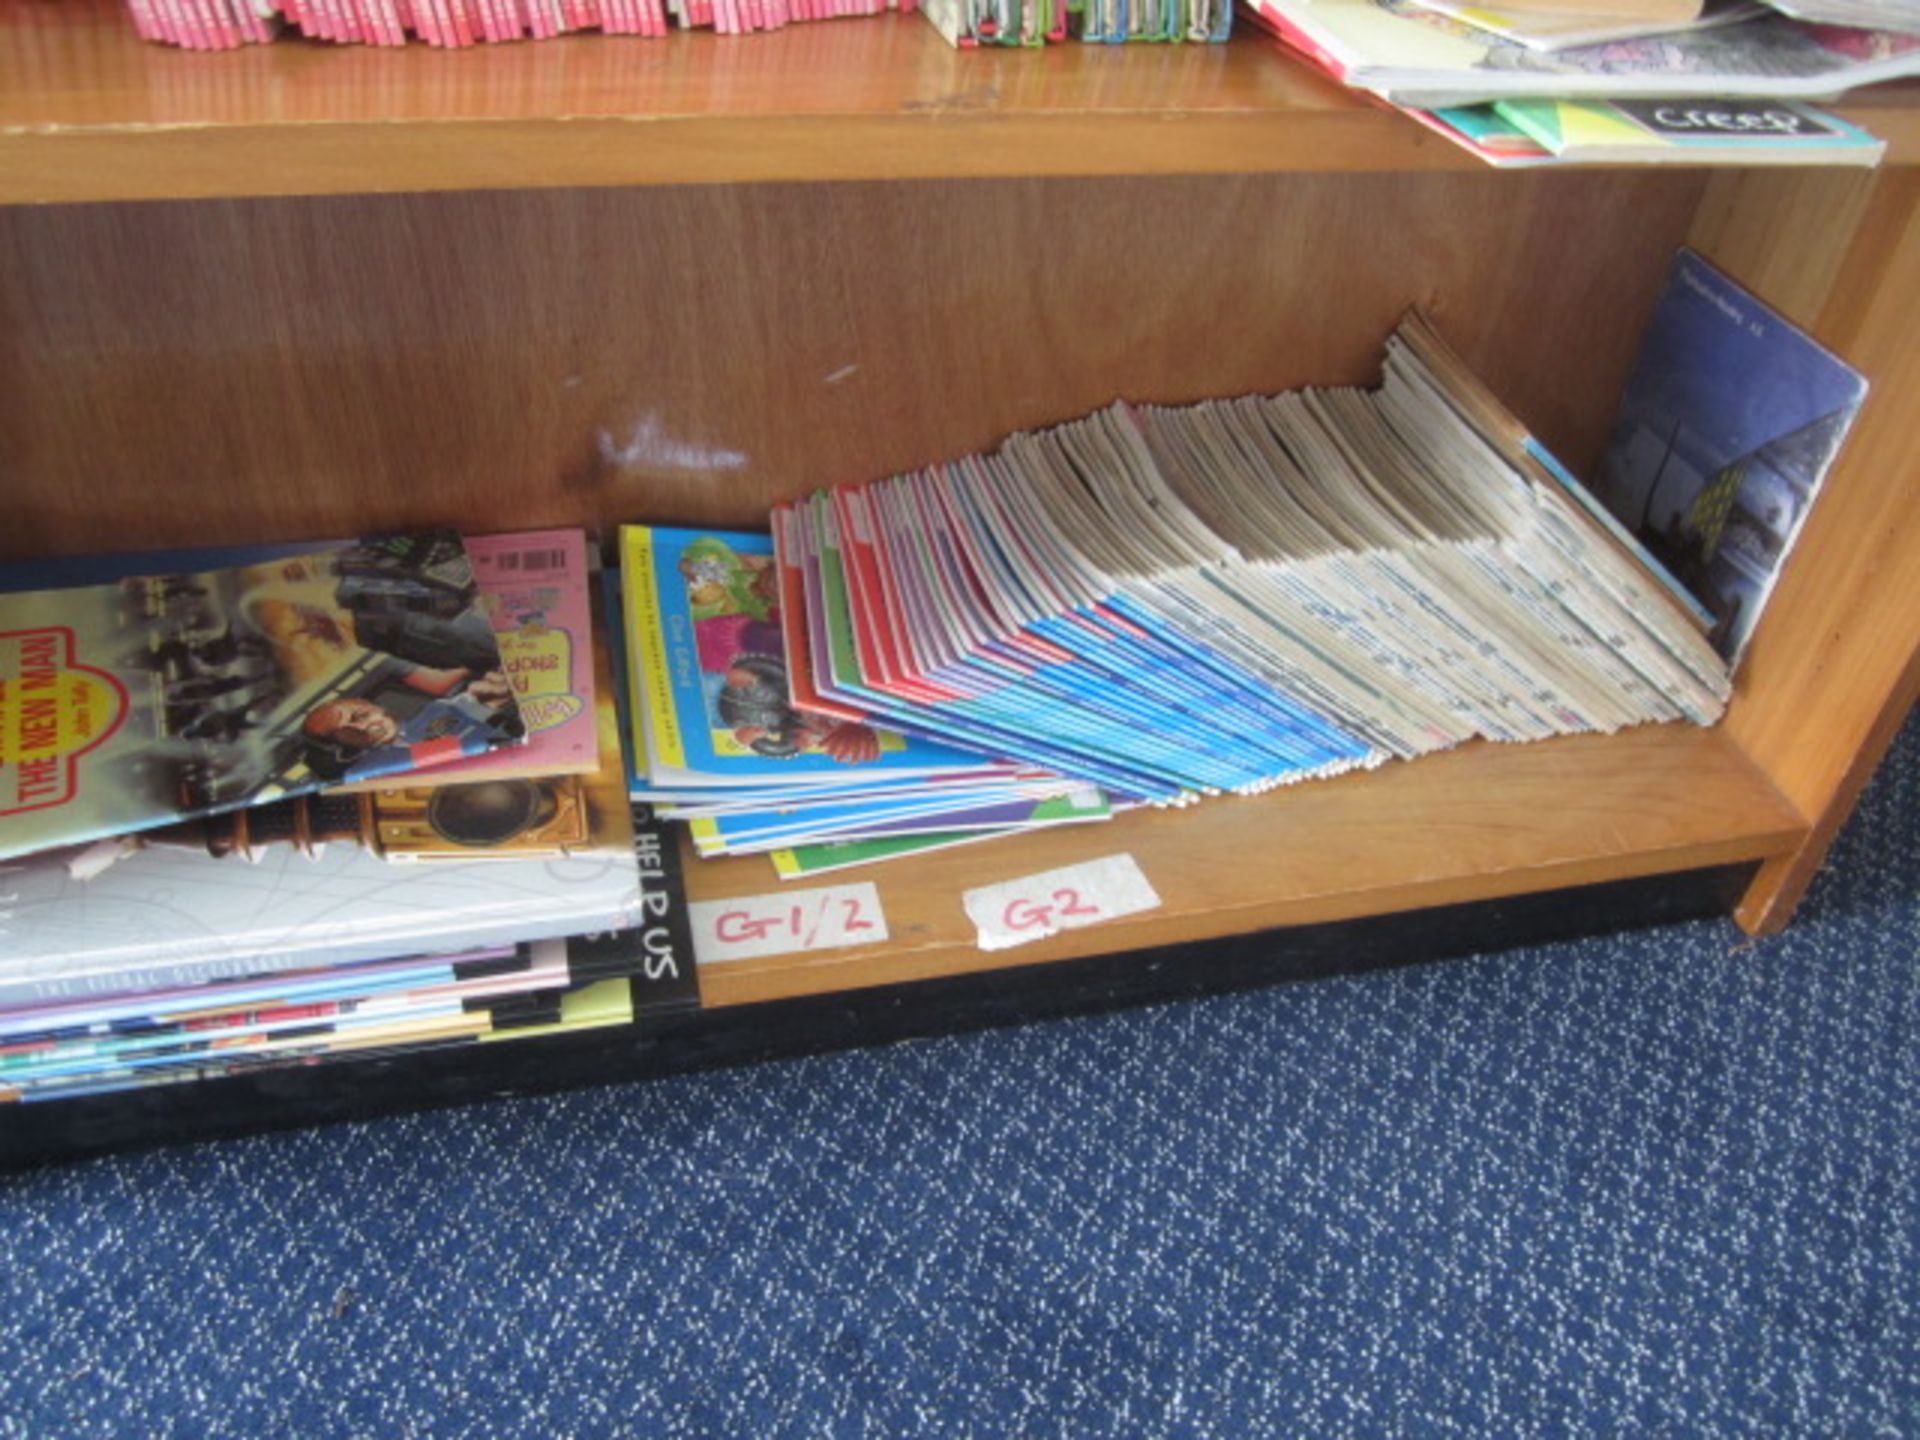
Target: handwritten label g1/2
(786,922)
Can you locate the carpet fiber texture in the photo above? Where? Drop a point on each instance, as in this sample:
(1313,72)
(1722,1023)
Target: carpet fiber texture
(1658,1184)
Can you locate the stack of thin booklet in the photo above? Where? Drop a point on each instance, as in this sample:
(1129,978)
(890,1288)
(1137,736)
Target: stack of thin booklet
(730,734)
(1151,605)
(278,805)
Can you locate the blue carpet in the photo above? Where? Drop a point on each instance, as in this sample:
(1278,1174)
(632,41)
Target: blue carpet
(1658,1185)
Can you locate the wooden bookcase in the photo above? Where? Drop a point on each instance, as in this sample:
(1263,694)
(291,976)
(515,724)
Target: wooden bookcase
(304,290)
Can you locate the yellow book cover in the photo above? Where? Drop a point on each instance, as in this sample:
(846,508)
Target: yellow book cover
(650,685)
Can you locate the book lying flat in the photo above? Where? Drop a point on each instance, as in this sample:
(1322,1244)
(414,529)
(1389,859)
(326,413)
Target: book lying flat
(1524,134)
(1672,12)
(164,693)
(1417,59)
(160,915)
(1657,132)
(1557,29)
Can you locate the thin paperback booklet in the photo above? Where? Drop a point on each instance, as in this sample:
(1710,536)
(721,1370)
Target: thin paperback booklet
(1728,426)
(164,916)
(1532,133)
(518,815)
(169,694)
(707,672)
(1754,132)
(1540,28)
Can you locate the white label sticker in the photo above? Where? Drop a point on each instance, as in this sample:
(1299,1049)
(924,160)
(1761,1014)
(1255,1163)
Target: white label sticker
(1016,911)
(783,923)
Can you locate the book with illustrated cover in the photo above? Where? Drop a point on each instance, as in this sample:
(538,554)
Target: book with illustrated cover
(1725,433)
(522,815)
(706,666)
(1655,132)
(161,695)
(1528,134)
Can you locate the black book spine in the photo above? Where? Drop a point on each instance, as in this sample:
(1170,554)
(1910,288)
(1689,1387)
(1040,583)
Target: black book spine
(658,952)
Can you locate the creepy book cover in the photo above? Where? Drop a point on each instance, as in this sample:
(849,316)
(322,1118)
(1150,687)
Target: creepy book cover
(1727,429)
(162,696)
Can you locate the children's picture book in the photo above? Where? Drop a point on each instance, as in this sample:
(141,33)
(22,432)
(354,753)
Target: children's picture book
(1728,426)
(519,815)
(707,669)
(166,694)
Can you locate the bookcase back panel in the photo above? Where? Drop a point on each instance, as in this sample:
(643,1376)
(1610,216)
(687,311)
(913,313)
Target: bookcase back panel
(219,371)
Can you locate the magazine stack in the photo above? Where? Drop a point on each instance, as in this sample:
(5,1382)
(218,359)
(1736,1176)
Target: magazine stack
(274,806)
(1177,603)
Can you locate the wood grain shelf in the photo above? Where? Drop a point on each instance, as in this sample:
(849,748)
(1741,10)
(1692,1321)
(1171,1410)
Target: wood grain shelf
(1480,823)
(90,112)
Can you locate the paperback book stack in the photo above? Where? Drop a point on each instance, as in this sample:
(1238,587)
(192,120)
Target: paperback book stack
(229,24)
(1546,82)
(731,736)
(275,806)
(1174,603)
(457,24)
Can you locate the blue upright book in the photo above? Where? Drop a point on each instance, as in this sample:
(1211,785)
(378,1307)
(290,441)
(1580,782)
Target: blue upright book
(1727,428)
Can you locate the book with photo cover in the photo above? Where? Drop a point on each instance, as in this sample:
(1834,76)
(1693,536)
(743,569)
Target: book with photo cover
(1725,433)
(535,587)
(164,694)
